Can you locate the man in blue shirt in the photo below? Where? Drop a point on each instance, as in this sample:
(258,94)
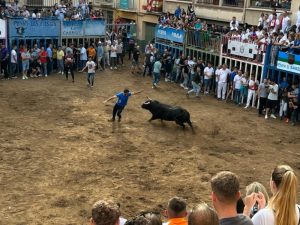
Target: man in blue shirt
(121,103)
(177,12)
(50,59)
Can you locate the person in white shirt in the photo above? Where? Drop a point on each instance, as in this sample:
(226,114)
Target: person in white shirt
(222,84)
(208,73)
(217,74)
(113,56)
(285,22)
(91,66)
(14,61)
(272,99)
(298,20)
(83,56)
(234,24)
(251,91)
(237,83)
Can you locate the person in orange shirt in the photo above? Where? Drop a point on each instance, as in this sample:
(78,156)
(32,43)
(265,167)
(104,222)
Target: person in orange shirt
(176,212)
(91,52)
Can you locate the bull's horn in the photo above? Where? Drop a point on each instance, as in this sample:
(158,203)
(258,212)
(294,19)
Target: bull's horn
(149,98)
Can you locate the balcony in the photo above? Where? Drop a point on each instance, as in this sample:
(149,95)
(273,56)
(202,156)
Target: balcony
(233,3)
(129,5)
(104,3)
(45,3)
(268,4)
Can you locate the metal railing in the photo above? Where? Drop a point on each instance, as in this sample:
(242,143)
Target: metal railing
(210,2)
(270,4)
(126,4)
(233,3)
(104,2)
(45,3)
(205,40)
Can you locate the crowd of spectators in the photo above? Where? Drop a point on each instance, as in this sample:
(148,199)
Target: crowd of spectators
(228,84)
(228,207)
(65,10)
(275,28)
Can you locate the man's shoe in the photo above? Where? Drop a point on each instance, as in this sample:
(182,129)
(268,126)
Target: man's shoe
(273,116)
(111,120)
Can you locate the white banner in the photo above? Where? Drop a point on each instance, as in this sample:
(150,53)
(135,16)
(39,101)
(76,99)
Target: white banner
(294,68)
(247,50)
(2,29)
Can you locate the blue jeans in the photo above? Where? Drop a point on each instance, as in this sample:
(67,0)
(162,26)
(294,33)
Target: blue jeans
(196,88)
(207,84)
(44,68)
(60,65)
(156,78)
(237,96)
(82,64)
(90,78)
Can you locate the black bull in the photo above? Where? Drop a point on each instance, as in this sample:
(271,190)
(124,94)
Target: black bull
(169,113)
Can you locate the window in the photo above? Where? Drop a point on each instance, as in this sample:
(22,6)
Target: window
(281,4)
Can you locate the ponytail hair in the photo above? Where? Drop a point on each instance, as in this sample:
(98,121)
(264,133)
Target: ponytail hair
(284,200)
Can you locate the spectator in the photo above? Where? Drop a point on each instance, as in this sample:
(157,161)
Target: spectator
(49,59)
(104,213)
(100,56)
(135,60)
(107,51)
(43,58)
(156,72)
(60,60)
(272,99)
(25,56)
(262,95)
(113,56)
(296,45)
(4,60)
(69,61)
(91,66)
(222,84)
(177,12)
(120,52)
(82,57)
(176,211)
(147,218)
(252,87)
(283,186)
(24,12)
(202,214)
(234,24)
(208,73)
(14,62)
(257,193)
(237,83)
(54,57)
(196,82)
(285,21)
(131,46)
(225,194)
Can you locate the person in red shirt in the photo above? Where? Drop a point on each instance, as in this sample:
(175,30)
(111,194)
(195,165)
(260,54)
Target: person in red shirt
(69,60)
(43,58)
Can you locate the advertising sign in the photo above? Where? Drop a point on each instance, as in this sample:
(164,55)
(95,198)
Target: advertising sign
(19,27)
(170,34)
(288,62)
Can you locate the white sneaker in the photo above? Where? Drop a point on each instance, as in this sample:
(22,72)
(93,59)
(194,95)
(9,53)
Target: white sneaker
(273,116)
(62,73)
(181,85)
(246,107)
(26,77)
(23,78)
(115,68)
(111,68)
(186,88)
(46,75)
(266,116)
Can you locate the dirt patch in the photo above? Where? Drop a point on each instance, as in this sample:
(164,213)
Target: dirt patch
(58,153)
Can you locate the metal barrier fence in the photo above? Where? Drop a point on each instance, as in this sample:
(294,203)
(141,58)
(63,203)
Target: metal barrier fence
(46,3)
(204,40)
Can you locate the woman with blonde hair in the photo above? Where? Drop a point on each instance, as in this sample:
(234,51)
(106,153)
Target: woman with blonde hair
(282,208)
(202,214)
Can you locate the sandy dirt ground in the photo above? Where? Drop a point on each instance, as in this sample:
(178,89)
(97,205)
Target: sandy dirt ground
(58,153)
